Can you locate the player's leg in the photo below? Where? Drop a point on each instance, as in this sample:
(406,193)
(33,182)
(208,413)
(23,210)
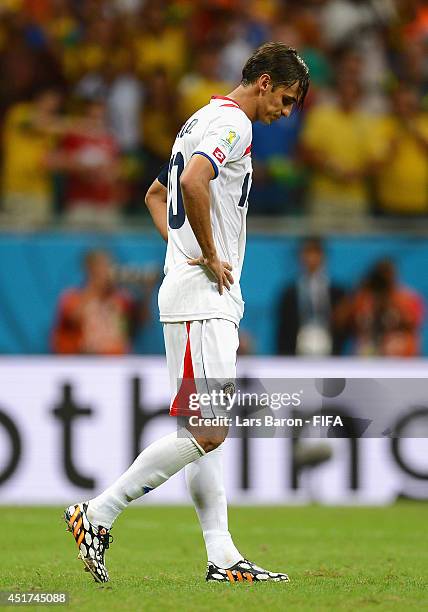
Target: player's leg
(214,348)
(214,357)
(164,457)
(204,478)
(153,466)
(90,521)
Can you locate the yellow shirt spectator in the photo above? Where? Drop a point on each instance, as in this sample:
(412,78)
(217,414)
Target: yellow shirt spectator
(25,150)
(81,59)
(402,183)
(159,132)
(166,50)
(26,181)
(197,90)
(341,139)
(160,121)
(12,5)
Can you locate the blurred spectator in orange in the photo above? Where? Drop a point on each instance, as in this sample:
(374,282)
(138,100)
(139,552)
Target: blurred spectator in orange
(306,321)
(99,318)
(416,24)
(38,10)
(90,161)
(402,140)
(28,139)
(336,147)
(197,87)
(384,317)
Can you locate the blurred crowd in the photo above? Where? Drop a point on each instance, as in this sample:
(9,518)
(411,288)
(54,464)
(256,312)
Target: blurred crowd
(314,317)
(104,315)
(380,317)
(93,92)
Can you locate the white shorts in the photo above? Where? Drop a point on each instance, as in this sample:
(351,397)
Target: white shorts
(201,356)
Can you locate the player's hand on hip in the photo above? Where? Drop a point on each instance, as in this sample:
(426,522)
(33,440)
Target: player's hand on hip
(222,270)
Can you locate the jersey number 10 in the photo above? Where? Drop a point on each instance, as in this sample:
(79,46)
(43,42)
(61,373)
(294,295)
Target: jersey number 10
(176,212)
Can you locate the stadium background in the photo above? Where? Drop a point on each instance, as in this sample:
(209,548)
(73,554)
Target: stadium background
(91,96)
(148,65)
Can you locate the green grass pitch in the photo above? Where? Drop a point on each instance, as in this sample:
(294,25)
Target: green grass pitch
(337,559)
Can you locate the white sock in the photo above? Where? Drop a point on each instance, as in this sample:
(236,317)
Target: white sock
(204,479)
(153,466)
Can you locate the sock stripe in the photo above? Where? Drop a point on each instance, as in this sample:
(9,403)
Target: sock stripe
(198,446)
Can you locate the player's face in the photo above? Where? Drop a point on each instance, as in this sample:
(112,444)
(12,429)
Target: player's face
(277,103)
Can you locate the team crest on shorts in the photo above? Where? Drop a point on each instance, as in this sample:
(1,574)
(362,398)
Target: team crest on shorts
(229,388)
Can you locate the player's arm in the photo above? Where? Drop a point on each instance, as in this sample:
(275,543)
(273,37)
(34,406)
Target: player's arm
(156,202)
(194,183)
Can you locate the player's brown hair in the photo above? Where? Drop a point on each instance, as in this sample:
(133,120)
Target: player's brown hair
(282,64)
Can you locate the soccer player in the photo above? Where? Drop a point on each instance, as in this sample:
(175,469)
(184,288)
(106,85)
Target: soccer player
(202,217)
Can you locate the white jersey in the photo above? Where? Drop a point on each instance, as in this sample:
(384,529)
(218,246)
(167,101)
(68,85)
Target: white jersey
(222,133)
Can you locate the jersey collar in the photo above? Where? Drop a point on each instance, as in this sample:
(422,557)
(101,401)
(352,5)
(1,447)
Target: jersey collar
(227,99)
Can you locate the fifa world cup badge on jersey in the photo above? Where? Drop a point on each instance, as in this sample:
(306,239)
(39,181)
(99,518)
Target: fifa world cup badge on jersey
(229,138)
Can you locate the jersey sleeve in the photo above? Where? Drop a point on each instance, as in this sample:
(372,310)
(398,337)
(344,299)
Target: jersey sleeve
(163,175)
(227,139)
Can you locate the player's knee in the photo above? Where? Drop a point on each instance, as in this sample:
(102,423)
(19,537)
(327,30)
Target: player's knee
(211,444)
(210,438)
